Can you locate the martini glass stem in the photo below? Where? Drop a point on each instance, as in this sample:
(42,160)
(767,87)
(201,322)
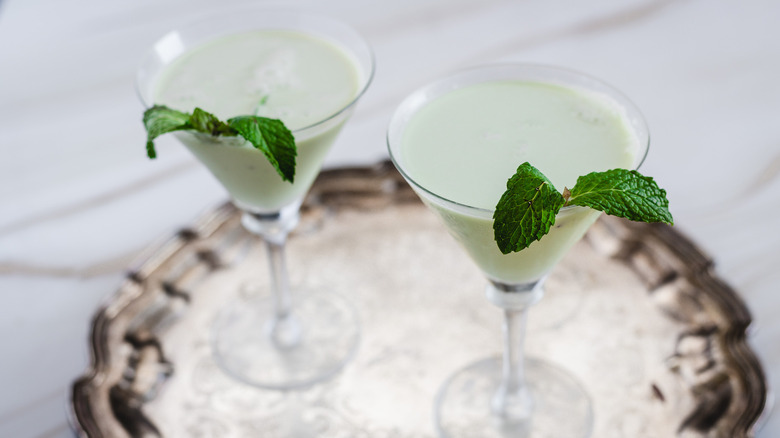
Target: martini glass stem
(512,402)
(280,282)
(283,328)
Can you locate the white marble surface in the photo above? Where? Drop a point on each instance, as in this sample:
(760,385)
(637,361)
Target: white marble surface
(79,200)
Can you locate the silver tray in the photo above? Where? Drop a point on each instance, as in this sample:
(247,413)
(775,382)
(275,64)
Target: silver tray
(634,311)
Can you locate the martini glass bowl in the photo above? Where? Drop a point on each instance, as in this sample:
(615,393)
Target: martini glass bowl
(280,338)
(512,395)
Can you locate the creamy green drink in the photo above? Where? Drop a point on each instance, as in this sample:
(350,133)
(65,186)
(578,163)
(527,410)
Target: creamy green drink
(464,145)
(301,79)
(259,95)
(491,151)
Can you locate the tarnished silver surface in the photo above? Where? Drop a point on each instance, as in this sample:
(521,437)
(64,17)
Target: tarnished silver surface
(634,311)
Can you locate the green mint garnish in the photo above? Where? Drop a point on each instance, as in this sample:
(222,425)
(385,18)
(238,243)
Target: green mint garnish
(261,103)
(528,207)
(270,136)
(160,120)
(622,193)
(208,123)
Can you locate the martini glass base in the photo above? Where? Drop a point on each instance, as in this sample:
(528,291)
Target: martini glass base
(325,324)
(562,408)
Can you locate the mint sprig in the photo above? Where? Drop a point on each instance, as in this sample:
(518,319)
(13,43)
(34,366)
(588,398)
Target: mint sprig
(527,209)
(269,136)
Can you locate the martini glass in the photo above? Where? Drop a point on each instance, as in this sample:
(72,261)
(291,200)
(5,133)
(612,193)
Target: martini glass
(509,396)
(280,338)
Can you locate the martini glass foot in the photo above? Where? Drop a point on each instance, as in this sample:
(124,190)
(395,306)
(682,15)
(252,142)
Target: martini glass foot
(306,346)
(560,407)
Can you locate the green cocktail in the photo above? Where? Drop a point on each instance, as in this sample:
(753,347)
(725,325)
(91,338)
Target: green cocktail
(308,72)
(457,142)
(463,146)
(288,75)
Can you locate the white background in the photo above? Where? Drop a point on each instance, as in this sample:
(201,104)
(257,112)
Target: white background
(79,200)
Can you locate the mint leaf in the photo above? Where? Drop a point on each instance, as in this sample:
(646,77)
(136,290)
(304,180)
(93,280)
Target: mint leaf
(623,193)
(208,123)
(526,210)
(160,120)
(272,138)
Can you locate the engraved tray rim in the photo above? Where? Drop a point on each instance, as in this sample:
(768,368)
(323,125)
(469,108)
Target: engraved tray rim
(340,186)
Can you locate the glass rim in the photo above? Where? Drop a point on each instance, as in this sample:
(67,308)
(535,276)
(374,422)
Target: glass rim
(193,21)
(420,93)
